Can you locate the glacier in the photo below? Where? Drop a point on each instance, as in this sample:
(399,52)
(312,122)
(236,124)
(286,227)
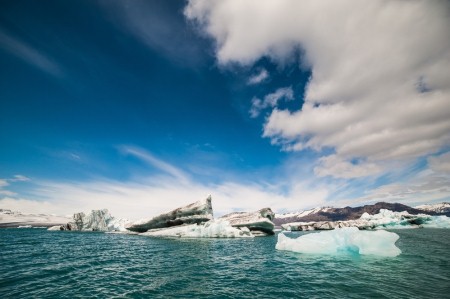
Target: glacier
(348,240)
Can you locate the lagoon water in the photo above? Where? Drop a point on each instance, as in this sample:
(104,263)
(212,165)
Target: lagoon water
(36,263)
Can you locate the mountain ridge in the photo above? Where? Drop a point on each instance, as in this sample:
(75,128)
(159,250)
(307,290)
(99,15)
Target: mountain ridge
(353,213)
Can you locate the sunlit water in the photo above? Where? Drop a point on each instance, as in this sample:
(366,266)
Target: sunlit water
(36,263)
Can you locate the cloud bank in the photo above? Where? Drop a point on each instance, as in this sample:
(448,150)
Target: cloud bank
(380,84)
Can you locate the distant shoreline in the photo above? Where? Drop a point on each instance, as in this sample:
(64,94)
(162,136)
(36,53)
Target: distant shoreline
(33,224)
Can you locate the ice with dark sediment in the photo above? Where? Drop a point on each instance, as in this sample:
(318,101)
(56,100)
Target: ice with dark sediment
(383,219)
(194,213)
(96,220)
(196,221)
(259,222)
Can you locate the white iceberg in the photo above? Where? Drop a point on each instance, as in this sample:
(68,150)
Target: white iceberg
(390,219)
(211,229)
(96,220)
(342,240)
(384,219)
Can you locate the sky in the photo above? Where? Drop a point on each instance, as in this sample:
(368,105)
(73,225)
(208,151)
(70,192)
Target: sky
(143,106)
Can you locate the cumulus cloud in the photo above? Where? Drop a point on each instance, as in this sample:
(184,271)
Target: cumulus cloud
(258,78)
(380,84)
(271,100)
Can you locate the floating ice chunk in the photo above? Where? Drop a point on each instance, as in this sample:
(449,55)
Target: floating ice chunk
(389,219)
(342,240)
(438,222)
(211,229)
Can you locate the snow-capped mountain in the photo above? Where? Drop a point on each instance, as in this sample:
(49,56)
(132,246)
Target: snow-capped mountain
(443,207)
(10,218)
(350,213)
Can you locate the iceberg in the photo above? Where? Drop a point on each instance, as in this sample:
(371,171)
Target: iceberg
(195,213)
(212,229)
(259,222)
(24,226)
(342,241)
(384,219)
(97,220)
(191,221)
(389,219)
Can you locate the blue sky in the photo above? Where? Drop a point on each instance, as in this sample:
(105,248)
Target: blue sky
(140,106)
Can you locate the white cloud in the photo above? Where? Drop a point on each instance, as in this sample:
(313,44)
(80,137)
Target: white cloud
(19,178)
(150,195)
(3,183)
(440,163)
(156,27)
(380,85)
(420,189)
(258,78)
(335,166)
(155,162)
(153,195)
(29,54)
(271,100)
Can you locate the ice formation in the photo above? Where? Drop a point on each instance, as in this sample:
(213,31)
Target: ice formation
(384,219)
(343,240)
(212,229)
(259,222)
(196,221)
(97,220)
(195,213)
(389,219)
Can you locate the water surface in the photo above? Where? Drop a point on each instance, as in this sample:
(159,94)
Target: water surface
(53,264)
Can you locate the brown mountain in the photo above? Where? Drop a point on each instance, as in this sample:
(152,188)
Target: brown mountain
(349,213)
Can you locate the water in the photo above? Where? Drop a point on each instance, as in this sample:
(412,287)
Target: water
(36,263)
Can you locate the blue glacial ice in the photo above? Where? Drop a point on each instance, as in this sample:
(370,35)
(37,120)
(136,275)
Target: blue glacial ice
(348,240)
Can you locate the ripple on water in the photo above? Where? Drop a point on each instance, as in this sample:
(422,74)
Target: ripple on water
(44,264)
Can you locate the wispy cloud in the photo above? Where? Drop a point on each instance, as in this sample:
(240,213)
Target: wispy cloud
(258,78)
(29,54)
(152,24)
(151,194)
(155,162)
